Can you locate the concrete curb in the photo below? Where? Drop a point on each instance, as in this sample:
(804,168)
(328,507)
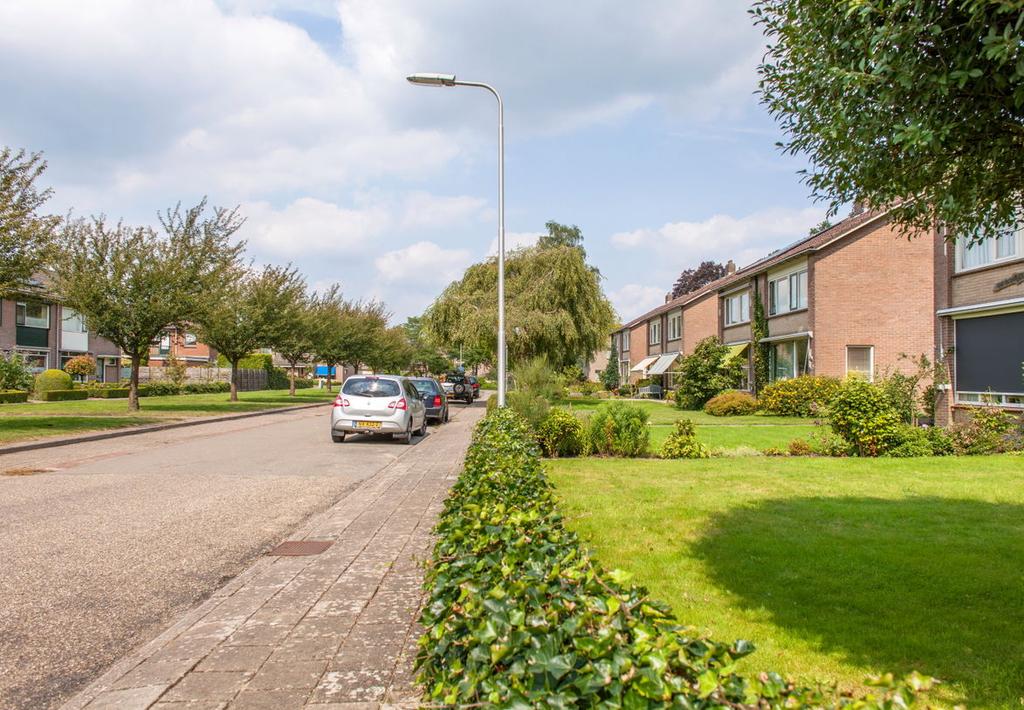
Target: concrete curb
(148,429)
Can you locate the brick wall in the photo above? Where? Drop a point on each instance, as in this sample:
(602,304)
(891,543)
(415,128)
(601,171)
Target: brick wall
(700,320)
(978,286)
(875,289)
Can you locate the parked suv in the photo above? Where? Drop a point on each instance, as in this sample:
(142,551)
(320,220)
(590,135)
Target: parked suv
(458,386)
(378,404)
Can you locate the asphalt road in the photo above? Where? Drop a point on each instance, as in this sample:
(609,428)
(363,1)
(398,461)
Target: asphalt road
(103,544)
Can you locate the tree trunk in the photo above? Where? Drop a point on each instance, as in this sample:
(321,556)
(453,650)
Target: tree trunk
(329,368)
(234,380)
(133,385)
(291,380)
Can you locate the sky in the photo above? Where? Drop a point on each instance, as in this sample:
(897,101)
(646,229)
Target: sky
(638,122)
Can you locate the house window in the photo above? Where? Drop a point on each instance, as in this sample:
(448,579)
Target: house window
(788,359)
(190,340)
(654,332)
(32,315)
(165,343)
(988,355)
(37,361)
(860,361)
(737,308)
(787,293)
(1002,246)
(675,326)
(73,322)
(625,342)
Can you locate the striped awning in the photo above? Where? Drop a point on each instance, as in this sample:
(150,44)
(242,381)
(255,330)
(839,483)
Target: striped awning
(737,350)
(664,362)
(643,364)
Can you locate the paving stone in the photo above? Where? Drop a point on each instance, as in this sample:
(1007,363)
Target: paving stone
(269,699)
(280,675)
(214,685)
(128,698)
(236,658)
(155,672)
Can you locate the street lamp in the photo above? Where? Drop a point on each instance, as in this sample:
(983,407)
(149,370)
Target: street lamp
(449,80)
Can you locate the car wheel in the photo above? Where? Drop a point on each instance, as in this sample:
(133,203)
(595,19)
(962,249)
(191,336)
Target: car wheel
(407,439)
(423,427)
(445,420)
(338,438)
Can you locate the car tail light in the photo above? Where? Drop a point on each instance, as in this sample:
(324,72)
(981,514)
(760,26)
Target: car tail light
(399,404)
(340,401)
(437,400)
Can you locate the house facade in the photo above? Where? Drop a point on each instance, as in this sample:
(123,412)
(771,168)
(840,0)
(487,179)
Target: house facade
(182,344)
(47,335)
(860,297)
(981,324)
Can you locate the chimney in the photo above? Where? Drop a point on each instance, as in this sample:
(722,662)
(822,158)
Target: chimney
(858,207)
(730,267)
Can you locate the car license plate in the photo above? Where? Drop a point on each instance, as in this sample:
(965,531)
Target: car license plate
(367,425)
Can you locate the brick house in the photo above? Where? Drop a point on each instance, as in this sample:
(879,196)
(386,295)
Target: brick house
(850,299)
(182,344)
(980,292)
(48,334)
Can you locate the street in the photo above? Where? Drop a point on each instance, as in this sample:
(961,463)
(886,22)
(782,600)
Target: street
(104,544)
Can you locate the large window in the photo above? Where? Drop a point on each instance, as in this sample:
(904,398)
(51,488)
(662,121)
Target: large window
(165,343)
(1006,245)
(654,332)
(860,360)
(737,308)
(625,341)
(787,293)
(989,352)
(37,361)
(32,315)
(788,359)
(675,326)
(73,322)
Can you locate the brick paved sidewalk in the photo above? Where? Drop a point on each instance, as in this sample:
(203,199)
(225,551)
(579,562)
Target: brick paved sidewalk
(334,630)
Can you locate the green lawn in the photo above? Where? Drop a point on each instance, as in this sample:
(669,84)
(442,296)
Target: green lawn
(834,568)
(37,419)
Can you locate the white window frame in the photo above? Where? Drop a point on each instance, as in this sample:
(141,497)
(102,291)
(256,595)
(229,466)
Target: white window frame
(797,365)
(871,361)
(742,300)
(654,332)
(793,280)
(190,340)
(991,255)
(625,342)
(45,354)
(1014,400)
(24,305)
(675,326)
(68,314)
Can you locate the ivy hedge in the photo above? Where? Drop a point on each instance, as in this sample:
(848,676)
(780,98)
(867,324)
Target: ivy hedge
(518,615)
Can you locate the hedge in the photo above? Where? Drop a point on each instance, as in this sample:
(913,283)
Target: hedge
(52,380)
(13,396)
(108,392)
(62,395)
(519,615)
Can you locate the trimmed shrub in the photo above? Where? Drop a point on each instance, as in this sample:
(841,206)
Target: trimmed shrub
(619,429)
(13,396)
(730,404)
(160,388)
(62,395)
(561,434)
(52,380)
(518,614)
(108,392)
(804,396)
(14,373)
(682,443)
(213,387)
(80,366)
(862,413)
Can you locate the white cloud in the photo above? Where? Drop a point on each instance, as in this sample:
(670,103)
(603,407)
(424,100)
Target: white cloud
(633,299)
(423,210)
(514,240)
(422,263)
(722,237)
(309,226)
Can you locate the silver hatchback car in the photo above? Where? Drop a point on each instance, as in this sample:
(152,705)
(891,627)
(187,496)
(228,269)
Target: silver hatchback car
(378,404)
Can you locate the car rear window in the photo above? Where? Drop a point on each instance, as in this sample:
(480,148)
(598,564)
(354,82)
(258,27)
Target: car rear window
(371,387)
(426,386)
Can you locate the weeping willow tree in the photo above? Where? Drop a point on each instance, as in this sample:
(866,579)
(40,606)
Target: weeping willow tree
(555,307)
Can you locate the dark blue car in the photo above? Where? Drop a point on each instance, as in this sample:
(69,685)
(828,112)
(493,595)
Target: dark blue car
(434,398)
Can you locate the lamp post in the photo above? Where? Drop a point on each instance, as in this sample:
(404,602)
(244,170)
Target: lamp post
(450,80)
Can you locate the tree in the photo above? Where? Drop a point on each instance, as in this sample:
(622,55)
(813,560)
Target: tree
(561,235)
(295,339)
(610,374)
(390,351)
(692,279)
(916,105)
(25,235)
(250,310)
(820,227)
(329,313)
(705,372)
(555,307)
(425,358)
(130,283)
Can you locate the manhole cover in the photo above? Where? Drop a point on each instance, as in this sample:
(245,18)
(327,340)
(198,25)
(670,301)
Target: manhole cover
(298,548)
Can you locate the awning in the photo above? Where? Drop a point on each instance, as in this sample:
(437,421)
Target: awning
(788,336)
(643,364)
(664,362)
(736,351)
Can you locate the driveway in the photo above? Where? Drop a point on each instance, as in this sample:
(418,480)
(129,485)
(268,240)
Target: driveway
(104,544)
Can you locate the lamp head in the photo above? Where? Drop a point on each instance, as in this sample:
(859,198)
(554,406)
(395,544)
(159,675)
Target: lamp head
(432,79)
